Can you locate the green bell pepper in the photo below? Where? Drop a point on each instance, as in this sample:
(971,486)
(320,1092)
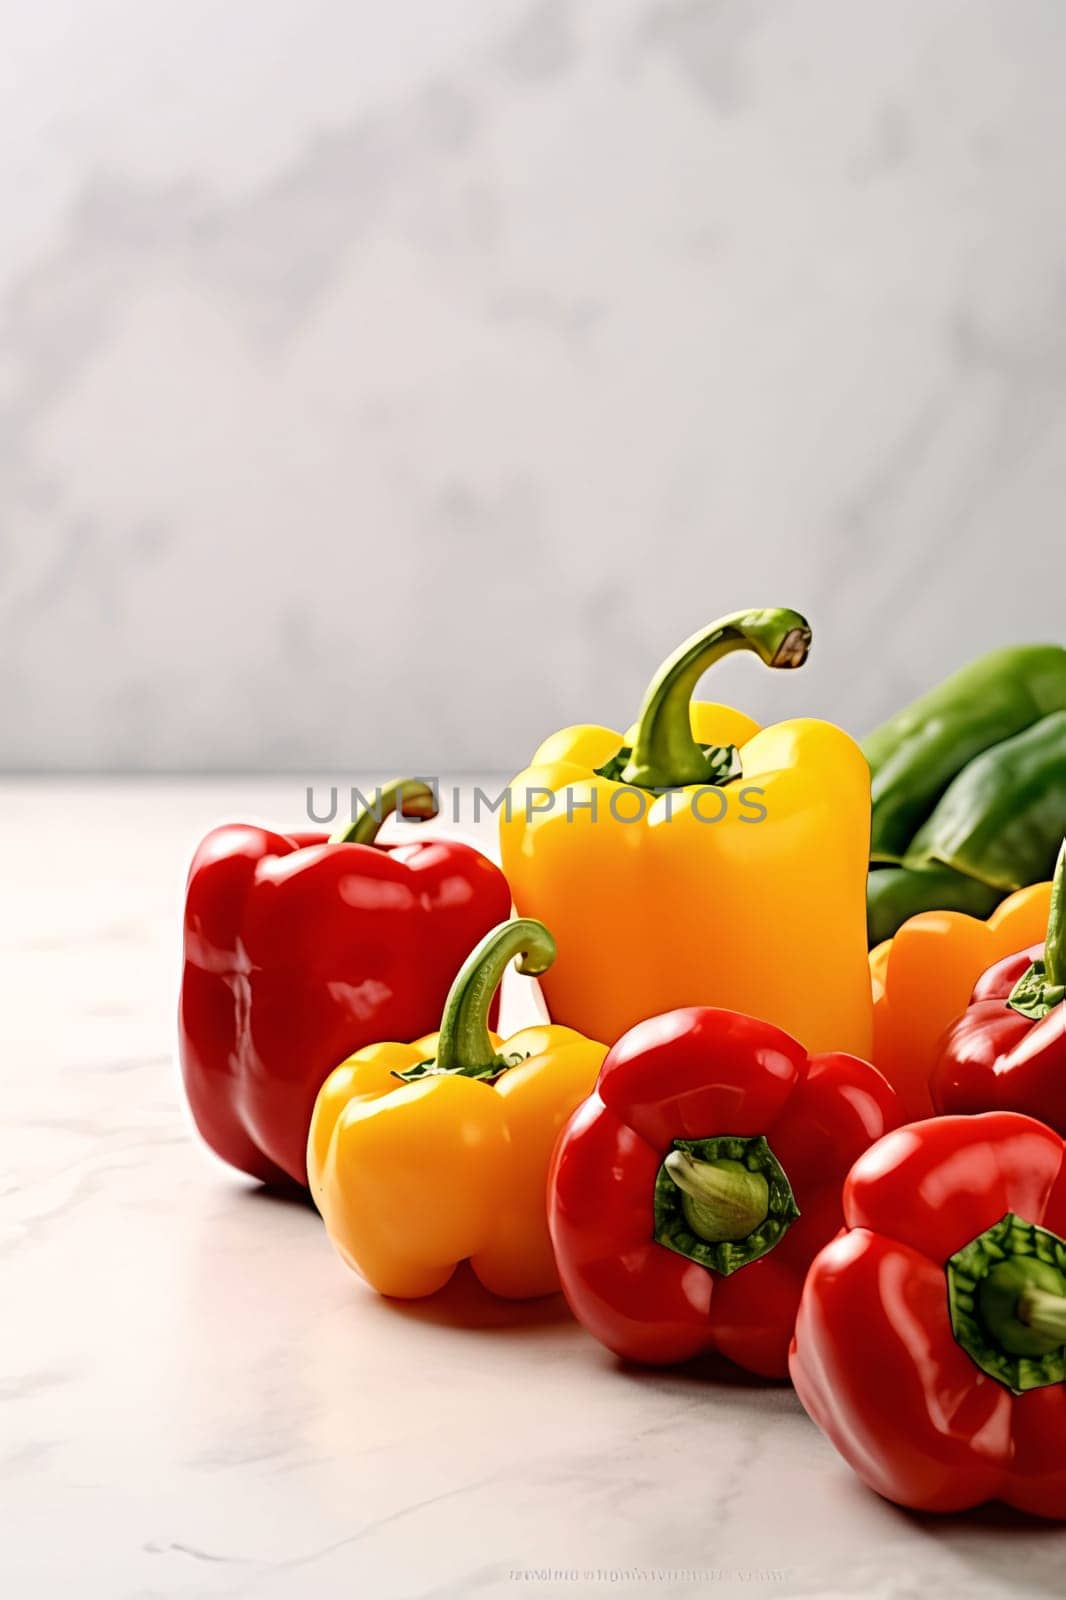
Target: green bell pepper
(969,789)
(915,754)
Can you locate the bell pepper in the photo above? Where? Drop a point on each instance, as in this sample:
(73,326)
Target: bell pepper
(969,789)
(1000,821)
(916,754)
(923,979)
(690,1192)
(930,1345)
(1007,1052)
(298,950)
(424,1155)
(701,859)
(895,894)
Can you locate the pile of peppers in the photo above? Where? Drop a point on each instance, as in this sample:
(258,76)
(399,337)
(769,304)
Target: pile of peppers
(743,1132)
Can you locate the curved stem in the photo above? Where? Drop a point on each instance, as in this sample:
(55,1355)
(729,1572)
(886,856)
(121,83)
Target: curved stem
(722,1200)
(665,755)
(465,1045)
(406,795)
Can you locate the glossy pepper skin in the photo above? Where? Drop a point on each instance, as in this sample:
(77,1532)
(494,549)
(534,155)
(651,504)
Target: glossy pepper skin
(969,789)
(916,754)
(1000,822)
(923,978)
(907,1317)
(412,1177)
(707,1129)
(298,951)
(676,907)
(1007,1052)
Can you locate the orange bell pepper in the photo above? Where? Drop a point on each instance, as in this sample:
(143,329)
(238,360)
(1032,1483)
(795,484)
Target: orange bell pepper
(923,978)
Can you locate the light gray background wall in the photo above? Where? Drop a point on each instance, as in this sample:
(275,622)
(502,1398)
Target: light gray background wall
(386,385)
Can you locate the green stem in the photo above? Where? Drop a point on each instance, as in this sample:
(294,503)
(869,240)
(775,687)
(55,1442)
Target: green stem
(1007,1302)
(1022,1305)
(465,1045)
(721,1200)
(1055,943)
(1042,986)
(664,754)
(1045,1314)
(406,795)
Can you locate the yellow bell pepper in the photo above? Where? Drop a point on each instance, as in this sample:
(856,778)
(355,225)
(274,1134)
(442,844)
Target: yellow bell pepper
(701,860)
(923,977)
(427,1154)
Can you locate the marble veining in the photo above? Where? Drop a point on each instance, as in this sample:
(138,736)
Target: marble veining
(199,1400)
(401,383)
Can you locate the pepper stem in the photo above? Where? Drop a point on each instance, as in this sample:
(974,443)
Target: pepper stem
(1055,942)
(464,1045)
(722,1199)
(1007,1302)
(1022,1305)
(1042,986)
(664,754)
(1044,1313)
(408,796)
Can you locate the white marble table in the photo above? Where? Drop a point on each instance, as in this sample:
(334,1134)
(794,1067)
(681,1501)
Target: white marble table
(199,1400)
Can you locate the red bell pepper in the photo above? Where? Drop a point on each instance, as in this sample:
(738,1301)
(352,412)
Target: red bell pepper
(931,1341)
(689,1193)
(300,950)
(1007,1052)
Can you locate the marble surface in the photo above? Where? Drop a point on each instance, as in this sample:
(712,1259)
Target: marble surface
(199,1400)
(482,351)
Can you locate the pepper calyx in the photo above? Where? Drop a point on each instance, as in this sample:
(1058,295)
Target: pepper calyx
(722,765)
(1007,1302)
(722,1201)
(487,1071)
(1042,986)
